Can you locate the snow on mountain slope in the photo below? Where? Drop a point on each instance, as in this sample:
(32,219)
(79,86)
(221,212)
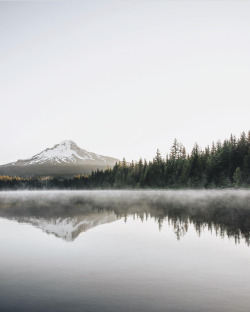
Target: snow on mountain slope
(67,153)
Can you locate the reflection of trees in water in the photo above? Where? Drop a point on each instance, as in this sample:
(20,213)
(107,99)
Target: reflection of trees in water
(223,227)
(226,214)
(180,227)
(233,227)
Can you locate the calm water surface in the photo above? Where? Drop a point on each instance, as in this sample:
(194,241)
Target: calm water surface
(125,251)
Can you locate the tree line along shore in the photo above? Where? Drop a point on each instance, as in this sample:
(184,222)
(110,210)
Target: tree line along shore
(224,164)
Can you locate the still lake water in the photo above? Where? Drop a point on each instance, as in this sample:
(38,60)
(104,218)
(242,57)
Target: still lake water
(125,251)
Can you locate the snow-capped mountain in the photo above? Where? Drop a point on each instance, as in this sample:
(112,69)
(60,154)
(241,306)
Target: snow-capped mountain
(65,158)
(66,152)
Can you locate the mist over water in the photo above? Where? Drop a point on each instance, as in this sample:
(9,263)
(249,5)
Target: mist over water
(226,212)
(125,251)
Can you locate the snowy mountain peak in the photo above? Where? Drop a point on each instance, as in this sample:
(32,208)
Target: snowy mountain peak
(66,153)
(67,143)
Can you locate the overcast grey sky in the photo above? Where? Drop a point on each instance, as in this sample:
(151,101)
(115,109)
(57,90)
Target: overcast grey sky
(122,78)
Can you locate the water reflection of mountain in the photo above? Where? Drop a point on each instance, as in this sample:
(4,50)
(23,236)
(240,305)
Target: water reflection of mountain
(67,214)
(68,228)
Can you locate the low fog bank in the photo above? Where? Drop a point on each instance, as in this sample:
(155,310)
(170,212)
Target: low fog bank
(183,198)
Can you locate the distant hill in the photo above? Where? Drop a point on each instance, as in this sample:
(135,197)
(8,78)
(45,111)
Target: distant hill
(65,159)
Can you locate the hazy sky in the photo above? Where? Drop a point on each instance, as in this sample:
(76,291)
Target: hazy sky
(122,78)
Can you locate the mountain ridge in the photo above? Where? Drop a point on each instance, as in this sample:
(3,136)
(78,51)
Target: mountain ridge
(64,158)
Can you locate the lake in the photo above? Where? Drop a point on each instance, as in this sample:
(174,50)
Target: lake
(125,251)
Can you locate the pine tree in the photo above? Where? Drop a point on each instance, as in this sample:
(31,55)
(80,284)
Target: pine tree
(237,177)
